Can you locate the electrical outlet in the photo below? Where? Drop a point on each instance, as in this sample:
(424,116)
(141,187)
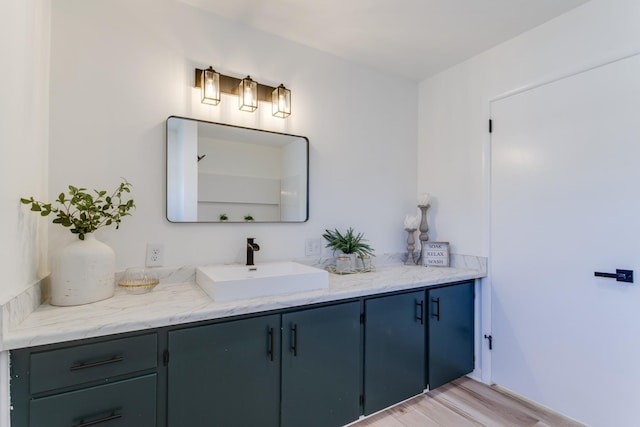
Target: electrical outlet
(155,255)
(312,247)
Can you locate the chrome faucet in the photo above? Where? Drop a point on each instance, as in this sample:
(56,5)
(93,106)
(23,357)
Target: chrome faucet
(251,248)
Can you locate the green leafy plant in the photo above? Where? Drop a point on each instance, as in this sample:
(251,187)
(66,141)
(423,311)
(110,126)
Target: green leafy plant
(348,243)
(223,217)
(248,218)
(84,212)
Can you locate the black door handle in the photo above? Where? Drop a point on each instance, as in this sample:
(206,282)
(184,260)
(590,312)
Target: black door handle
(436,312)
(420,311)
(294,339)
(619,275)
(270,343)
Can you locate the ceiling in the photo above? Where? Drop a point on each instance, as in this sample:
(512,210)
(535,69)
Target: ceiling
(414,39)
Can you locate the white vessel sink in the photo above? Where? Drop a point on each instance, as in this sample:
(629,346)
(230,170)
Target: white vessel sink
(232,282)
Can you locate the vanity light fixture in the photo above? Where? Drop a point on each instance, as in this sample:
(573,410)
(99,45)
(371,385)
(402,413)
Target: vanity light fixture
(248,91)
(248,95)
(281,102)
(210,86)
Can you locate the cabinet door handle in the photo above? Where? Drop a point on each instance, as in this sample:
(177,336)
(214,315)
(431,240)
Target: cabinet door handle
(111,417)
(294,339)
(420,311)
(80,366)
(436,312)
(270,343)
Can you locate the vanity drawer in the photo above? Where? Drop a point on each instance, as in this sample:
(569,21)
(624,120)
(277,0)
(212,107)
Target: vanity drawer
(83,363)
(129,403)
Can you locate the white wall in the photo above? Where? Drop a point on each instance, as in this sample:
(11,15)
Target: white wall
(120,68)
(24,124)
(454,143)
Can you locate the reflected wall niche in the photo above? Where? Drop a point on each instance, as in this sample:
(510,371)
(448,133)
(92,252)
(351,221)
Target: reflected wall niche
(216,170)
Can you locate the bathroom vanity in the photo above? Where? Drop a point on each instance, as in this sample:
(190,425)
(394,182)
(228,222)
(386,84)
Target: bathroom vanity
(174,357)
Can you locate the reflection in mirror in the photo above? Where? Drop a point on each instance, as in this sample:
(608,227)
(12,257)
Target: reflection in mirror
(216,171)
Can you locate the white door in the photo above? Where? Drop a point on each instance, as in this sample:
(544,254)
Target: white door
(565,203)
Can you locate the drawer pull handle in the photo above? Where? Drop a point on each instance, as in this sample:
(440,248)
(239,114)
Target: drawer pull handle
(111,417)
(96,364)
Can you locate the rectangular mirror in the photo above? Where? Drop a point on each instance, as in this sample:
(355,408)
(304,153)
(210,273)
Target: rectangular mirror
(216,170)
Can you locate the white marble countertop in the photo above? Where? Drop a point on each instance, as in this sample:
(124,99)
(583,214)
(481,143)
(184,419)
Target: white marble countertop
(184,302)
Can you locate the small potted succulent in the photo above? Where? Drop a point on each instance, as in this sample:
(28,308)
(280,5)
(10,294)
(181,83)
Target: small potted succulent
(351,244)
(84,271)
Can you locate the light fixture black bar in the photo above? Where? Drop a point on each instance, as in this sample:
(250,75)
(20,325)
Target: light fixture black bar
(229,85)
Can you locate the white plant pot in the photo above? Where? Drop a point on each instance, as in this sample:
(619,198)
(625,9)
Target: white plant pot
(362,264)
(84,272)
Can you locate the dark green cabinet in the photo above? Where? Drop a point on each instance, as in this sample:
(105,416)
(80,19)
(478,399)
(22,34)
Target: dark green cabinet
(225,374)
(321,369)
(394,349)
(322,365)
(450,333)
(253,372)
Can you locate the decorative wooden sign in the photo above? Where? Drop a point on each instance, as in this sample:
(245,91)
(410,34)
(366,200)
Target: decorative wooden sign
(436,254)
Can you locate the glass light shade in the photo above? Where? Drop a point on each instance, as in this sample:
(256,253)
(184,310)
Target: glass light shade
(248,94)
(210,86)
(281,102)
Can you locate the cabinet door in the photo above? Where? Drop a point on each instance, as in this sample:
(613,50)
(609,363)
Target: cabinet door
(394,349)
(226,374)
(450,333)
(321,369)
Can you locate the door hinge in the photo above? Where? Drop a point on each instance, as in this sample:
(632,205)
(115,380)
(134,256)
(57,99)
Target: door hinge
(490,126)
(490,338)
(165,358)
(362,400)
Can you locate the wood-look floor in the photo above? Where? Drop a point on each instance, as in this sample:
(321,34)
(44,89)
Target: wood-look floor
(466,403)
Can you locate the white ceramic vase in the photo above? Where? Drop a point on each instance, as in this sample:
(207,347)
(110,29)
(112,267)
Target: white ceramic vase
(84,272)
